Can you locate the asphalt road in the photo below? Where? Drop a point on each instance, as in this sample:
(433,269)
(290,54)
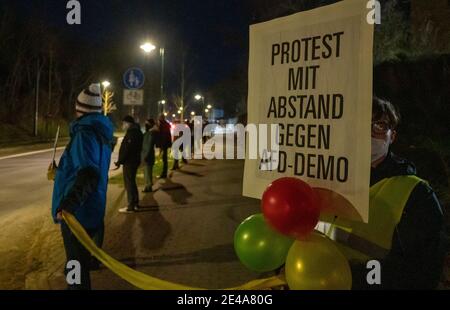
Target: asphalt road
(23,181)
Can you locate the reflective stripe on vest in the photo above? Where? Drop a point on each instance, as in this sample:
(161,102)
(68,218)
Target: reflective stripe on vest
(388,199)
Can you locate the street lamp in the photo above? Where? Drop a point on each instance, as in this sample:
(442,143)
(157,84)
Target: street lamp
(192,113)
(199,97)
(148,47)
(106,84)
(209,106)
(206,110)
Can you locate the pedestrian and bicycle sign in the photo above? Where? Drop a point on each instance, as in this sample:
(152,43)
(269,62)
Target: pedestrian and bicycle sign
(134,78)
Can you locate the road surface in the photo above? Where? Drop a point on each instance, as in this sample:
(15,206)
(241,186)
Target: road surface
(23,181)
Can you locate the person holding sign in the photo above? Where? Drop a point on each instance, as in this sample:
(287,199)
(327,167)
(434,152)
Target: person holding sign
(406,232)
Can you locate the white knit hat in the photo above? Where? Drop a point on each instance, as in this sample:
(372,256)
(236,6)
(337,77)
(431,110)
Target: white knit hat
(90,100)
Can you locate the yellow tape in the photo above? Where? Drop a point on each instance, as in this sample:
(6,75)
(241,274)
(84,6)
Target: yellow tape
(142,280)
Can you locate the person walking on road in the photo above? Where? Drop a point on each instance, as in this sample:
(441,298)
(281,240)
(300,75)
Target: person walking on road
(81,179)
(148,153)
(130,159)
(164,142)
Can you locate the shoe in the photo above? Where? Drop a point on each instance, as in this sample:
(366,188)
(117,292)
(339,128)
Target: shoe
(128,210)
(148,189)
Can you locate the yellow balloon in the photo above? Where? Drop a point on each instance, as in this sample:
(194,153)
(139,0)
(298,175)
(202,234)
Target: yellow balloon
(317,264)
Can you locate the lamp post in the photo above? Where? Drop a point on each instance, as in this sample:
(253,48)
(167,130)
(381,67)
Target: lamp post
(199,97)
(148,47)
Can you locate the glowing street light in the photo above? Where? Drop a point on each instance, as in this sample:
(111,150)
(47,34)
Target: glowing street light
(206,110)
(173,115)
(192,113)
(198,97)
(209,106)
(147,47)
(106,84)
(163,102)
(165,113)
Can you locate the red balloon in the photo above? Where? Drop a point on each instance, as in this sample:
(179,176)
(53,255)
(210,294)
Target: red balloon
(291,207)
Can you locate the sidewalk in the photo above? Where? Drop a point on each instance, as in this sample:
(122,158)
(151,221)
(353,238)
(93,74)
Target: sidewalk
(185,231)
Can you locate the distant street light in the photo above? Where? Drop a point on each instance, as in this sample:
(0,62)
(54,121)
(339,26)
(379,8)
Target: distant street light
(163,102)
(199,97)
(148,47)
(192,113)
(165,113)
(209,106)
(206,110)
(106,84)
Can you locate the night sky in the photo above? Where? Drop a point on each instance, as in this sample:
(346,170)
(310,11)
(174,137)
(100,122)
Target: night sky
(214,31)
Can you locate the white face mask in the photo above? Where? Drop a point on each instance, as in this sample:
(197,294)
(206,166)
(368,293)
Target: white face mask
(380,148)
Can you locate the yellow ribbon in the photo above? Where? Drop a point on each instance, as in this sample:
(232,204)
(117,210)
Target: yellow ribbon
(142,280)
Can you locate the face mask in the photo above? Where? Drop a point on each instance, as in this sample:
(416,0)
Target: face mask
(380,148)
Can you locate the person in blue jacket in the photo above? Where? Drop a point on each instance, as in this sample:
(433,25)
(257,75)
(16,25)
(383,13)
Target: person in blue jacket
(82,178)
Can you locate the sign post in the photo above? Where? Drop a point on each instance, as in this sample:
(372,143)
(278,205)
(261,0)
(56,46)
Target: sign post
(133,95)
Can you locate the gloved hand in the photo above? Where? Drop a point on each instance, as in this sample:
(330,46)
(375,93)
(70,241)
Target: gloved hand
(51,172)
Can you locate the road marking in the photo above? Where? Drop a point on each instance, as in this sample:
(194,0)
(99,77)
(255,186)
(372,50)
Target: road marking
(43,151)
(31,153)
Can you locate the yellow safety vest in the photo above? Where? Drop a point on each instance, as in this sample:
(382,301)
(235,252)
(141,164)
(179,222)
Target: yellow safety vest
(365,241)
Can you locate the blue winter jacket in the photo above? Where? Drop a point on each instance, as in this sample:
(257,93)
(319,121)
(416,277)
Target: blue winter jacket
(82,176)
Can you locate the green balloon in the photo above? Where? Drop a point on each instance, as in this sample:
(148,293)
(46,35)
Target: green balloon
(258,246)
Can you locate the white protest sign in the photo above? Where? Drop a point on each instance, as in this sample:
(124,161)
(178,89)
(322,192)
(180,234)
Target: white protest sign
(311,73)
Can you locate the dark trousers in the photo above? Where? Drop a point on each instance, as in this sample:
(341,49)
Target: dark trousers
(164,151)
(129,178)
(75,251)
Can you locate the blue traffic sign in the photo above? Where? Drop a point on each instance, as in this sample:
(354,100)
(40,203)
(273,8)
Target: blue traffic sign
(134,78)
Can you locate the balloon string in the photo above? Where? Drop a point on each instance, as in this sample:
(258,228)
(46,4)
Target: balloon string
(328,234)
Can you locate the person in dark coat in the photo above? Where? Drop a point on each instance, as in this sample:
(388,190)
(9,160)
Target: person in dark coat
(130,159)
(148,153)
(81,179)
(164,142)
(416,258)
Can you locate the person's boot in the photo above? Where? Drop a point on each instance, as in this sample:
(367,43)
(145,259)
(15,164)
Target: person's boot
(148,189)
(129,209)
(95,264)
(175,166)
